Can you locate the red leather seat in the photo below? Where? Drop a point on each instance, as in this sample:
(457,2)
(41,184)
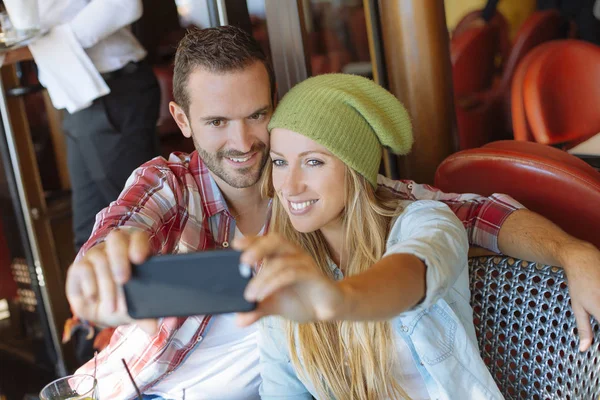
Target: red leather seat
(551,153)
(562,92)
(520,125)
(540,27)
(498,22)
(472,54)
(552,183)
(487,115)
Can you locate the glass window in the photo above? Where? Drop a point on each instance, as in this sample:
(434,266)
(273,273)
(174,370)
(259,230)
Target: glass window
(337,37)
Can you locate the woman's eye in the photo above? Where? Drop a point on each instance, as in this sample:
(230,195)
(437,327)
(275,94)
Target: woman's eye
(314,163)
(278,163)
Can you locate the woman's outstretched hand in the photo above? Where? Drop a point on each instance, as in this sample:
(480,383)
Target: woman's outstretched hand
(289,284)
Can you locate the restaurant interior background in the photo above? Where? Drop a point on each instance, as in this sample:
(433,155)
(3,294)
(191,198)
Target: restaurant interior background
(36,244)
(401,47)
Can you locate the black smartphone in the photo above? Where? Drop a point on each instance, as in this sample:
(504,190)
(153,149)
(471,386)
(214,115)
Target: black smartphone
(178,285)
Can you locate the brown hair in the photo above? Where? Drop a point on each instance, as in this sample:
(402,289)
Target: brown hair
(221,49)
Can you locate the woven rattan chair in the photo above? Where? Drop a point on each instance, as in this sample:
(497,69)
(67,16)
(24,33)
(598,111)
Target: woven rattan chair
(527,332)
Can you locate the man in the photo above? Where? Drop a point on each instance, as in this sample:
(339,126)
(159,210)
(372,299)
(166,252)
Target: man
(224,91)
(109,138)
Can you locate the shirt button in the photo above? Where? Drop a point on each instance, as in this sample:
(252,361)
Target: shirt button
(225,244)
(404,328)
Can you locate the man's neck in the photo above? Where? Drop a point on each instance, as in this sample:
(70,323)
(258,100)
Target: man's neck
(246,205)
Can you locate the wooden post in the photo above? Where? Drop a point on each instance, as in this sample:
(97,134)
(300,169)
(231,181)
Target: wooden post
(417,55)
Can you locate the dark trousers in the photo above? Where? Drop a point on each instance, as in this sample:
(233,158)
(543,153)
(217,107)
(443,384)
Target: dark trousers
(107,141)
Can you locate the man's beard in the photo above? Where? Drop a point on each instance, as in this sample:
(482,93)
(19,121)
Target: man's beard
(240,177)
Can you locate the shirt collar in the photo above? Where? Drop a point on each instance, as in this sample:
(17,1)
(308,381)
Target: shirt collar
(212,198)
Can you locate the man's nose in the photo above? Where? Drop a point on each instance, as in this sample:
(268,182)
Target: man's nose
(241,138)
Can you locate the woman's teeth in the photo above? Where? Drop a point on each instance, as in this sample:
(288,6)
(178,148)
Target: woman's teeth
(303,205)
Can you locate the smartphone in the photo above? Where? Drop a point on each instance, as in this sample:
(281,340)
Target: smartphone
(178,285)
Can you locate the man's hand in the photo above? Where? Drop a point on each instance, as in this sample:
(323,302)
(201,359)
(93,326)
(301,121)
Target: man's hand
(17,55)
(529,236)
(95,282)
(581,262)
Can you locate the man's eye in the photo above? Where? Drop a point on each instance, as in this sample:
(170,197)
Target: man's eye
(216,123)
(257,116)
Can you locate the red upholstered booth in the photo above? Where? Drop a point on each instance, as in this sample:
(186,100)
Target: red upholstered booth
(472,54)
(498,22)
(485,116)
(546,180)
(561,93)
(520,125)
(540,27)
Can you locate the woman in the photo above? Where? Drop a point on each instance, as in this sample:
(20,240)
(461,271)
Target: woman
(399,325)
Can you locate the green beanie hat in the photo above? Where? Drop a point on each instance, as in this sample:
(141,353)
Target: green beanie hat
(353,117)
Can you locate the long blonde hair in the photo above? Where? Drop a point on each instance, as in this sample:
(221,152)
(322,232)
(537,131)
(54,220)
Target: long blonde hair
(345,360)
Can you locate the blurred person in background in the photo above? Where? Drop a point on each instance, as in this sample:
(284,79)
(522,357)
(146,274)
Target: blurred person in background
(109,131)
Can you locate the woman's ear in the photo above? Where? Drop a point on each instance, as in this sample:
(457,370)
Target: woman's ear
(181,119)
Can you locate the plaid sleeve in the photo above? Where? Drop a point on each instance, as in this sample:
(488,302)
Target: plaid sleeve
(140,351)
(149,202)
(482,216)
(146,203)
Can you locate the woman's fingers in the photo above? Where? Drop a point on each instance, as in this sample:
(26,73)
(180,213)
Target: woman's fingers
(257,248)
(279,274)
(269,278)
(248,318)
(268,306)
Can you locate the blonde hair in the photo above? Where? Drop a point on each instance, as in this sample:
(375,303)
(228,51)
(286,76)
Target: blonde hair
(346,359)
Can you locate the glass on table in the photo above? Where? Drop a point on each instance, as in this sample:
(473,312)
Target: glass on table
(73,387)
(8,32)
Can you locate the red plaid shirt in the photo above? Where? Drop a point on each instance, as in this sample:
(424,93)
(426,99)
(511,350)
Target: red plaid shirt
(180,206)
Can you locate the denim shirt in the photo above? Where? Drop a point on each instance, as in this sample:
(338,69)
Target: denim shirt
(439,331)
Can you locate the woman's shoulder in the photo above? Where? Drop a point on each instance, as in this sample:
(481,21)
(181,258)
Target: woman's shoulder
(412,210)
(273,322)
(416,215)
